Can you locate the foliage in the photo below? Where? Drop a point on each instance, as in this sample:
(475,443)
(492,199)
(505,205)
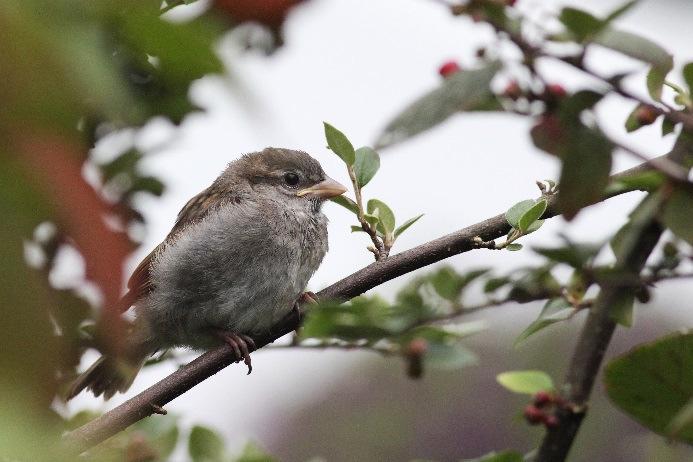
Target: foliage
(654,384)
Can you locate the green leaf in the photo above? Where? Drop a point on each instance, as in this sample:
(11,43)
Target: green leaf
(513,247)
(357,229)
(403,227)
(339,144)
(627,237)
(688,76)
(346,203)
(533,214)
(555,310)
(622,308)
(386,217)
(464,91)
(573,254)
(641,181)
(655,82)
(636,47)
(682,419)
(641,49)
(503,456)
(449,356)
(534,226)
(447,283)
(654,382)
(253,453)
(372,218)
(370,318)
(366,165)
(494,284)
(205,445)
(581,23)
(162,433)
(678,213)
(514,213)
(585,168)
(525,382)
(632,122)
(667,126)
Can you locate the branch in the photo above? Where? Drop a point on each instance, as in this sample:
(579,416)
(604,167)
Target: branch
(598,330)
(373,275)
(589,352)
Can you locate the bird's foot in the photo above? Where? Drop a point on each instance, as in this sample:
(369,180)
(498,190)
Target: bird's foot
(241,345)
(305,297)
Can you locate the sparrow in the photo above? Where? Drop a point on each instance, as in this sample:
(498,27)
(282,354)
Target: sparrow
(237,260)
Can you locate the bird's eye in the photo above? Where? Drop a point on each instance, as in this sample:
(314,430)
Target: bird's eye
(291,179)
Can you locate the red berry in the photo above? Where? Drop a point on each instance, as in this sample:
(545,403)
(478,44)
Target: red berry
(542,398)
(551,421)
(269,12)
(449,68)
(478,16)
(646,114)
(513,90)
(534,415)
(556,90)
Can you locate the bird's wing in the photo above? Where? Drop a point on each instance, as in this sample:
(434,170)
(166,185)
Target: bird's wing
(140,283)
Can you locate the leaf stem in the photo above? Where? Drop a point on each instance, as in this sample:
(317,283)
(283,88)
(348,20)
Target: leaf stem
(381,250)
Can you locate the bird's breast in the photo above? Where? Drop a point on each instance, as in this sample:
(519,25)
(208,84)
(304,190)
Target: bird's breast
(240,269)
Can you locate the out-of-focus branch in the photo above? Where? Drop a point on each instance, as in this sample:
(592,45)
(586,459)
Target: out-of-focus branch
(598,330)
(589,352)
(373,275)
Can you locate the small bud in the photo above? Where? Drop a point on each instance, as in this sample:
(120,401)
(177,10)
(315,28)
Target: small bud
(513,90)
(449,68)
(670,249)
(642,294)
(542,398)
(534,415)
(138,449)
(414,355)
(510,2)
(646,114)
(551,421)
(417,347)
(556,90)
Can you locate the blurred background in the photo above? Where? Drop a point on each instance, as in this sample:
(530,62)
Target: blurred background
(355,64)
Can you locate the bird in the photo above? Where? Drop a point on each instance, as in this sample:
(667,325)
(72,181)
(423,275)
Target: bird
(237,260)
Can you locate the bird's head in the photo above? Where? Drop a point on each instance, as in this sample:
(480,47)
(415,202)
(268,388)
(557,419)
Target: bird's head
(285,175)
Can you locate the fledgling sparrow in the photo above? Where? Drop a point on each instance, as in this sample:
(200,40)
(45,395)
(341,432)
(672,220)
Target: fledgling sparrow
(236,261)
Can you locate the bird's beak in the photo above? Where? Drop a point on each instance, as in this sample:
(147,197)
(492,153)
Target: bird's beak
(324,190)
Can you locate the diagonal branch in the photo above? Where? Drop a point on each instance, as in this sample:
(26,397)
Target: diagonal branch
(373,275)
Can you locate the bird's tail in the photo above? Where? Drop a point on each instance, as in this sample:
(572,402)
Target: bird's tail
(109,375)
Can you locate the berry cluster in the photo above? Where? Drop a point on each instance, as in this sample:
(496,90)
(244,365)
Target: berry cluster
(541,411)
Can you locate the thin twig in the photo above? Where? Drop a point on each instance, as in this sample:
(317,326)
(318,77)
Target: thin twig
(379,250)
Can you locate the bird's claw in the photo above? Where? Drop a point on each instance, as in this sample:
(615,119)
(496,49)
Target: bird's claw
(241,345)
(305,297)
(308,297)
